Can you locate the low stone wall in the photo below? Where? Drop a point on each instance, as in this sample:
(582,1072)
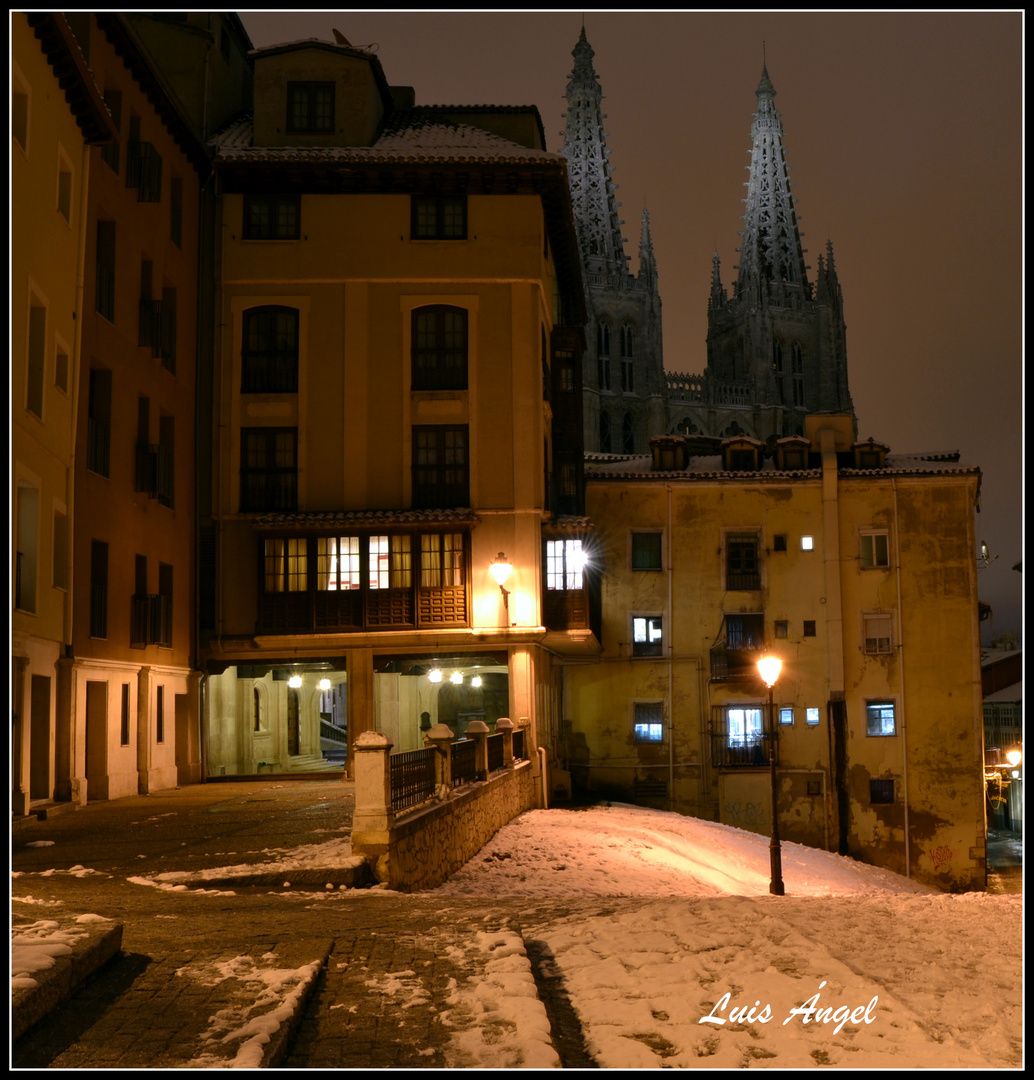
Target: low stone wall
(429,844)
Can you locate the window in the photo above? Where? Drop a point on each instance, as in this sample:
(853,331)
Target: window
(628,434)
(881,791)
(739,735)
(879,718)
(143,166)
(337,563)
(563,364)
(646,551)
(809,627)
(269,469)
(811,717)
(391,562)
(310,107)
(98,589)
(565,560)
(807,543)
(64,188)
(648,726)
(286,564)
(176,211)
(36,358)
(269,350)
(627,352)
(797,364)
(647,635)
(441,468)
(105,288)
(60,554)
(438,217)
(779,542)
(20,116)
(876,632)
(272,217)
(745,726)
(605,433)
(745,632)
(603,359)
(26,552)
(786,715)
(159,714)
(124,716)
(439,348)
(603,339)
(98,422)
(256,709)
(782,628)
(110,151)
(743,570)
(874,550)
(441,560)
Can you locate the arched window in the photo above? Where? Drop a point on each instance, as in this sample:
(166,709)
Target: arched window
(603,339)
(269,350)
(439,348)
(628,434)
(605,433)
(627,340)
(627,373)
(797,367)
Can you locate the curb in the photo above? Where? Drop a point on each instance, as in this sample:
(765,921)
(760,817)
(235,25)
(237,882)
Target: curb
(54,984)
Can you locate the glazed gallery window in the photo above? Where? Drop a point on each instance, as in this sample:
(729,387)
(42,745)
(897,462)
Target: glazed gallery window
(337,563)
(438,217)
(441,560)
(391,562)
(441,466)
(879,718)
(874,550)
(286,565)
(565,561)
(272,217)
(439,348)
(648,726)
(310,107)
(269,350)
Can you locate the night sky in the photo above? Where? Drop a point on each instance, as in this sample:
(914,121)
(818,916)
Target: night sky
(904,136)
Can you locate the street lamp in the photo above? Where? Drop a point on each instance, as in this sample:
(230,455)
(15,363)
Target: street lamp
(501,570)
(769,668)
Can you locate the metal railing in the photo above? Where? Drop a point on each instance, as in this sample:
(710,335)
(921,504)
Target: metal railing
(518,746)
(412,777)
(495,752)
(464,762)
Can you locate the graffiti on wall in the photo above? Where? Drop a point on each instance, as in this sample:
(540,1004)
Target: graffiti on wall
(941,855)
(745,815)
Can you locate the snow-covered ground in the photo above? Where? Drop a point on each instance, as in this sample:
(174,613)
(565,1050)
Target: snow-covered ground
(854,968)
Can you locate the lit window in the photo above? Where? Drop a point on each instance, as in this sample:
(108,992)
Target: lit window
(441,560)
(786,715)
(876,633)
(874,550)
(879,718)
(391,562)
(744,726)
(565,561)
(811,717)
(647,635)
(337,563)
(649,722)
(286,565)
(807,543)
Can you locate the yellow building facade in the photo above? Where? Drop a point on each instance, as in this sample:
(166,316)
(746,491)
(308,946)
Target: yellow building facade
(397,368)
(857,570)
(57,115)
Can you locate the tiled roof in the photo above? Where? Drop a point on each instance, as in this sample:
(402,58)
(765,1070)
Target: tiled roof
(414,136)
(300,519)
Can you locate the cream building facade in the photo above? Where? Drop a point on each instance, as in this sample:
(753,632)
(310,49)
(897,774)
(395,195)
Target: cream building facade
(396,388)
(856,569)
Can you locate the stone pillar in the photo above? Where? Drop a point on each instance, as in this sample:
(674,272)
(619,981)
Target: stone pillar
(359,669)
(441,737)
(478,731)
(504,726)
(373,819)
(143,730)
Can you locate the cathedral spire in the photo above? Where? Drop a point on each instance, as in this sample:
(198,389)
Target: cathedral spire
(592,186)
(718,296)
(771,267)
(647,259)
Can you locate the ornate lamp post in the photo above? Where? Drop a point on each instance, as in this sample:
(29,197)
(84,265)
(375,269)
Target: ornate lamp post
(769,668)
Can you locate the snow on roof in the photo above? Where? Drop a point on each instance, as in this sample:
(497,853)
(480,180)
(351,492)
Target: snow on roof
(1007,695)
(413,136)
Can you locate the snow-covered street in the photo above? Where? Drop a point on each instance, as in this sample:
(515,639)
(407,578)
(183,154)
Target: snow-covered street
(661,935)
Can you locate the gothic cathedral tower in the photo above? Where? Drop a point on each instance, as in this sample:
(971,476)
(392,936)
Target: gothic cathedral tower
(623,373)
(777,350)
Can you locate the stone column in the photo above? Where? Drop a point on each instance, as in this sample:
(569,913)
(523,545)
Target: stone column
(441,737)
(143,730)
(478,731)
(504,726)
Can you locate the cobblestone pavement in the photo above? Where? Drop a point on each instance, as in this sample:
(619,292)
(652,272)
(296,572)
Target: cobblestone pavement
(358,977)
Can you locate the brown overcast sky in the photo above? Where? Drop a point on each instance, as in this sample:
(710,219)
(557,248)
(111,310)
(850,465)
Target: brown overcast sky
(903,134)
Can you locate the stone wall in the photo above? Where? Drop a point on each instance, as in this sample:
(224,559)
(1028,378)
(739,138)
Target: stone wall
(429,844)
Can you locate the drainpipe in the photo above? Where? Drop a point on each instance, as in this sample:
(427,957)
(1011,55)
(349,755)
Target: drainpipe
(542,776)
(671,654)
(901,677)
